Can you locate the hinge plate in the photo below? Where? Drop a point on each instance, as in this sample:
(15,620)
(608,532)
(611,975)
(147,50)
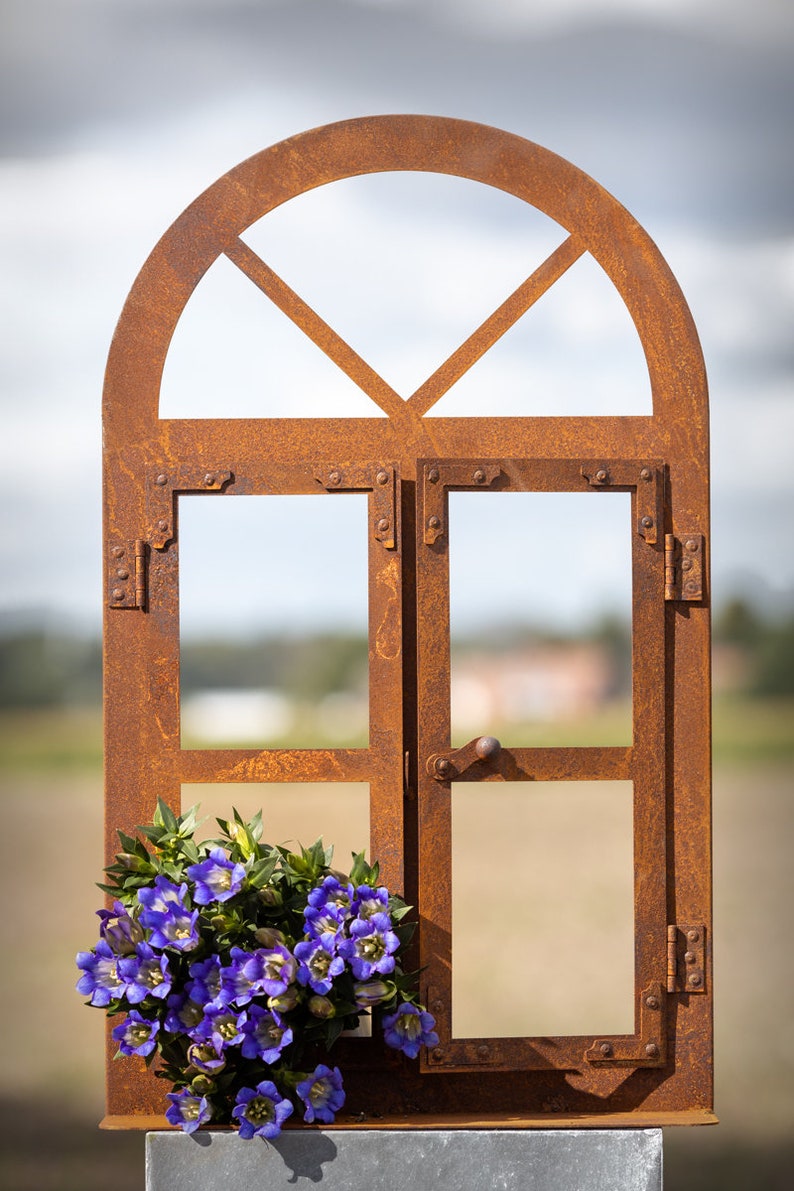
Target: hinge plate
(126,572)
(686,957)
(683,566)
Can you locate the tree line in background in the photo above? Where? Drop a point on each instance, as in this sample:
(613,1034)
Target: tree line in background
(43,668)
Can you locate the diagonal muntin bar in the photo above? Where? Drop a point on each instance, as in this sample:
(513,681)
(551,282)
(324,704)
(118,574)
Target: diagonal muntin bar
(502,319)
(315,328)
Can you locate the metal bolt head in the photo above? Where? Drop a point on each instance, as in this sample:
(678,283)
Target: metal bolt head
(438,1006)
(695,979)
(646,522)
(693,935)
(383,524)
(482,1052)
(335,478)
(432,475)
(606,1049)
(436,1055)
(209,479)
(692,545)
(162,526)
(690,585)
(161,480)
(442,765)
(117,552)
(602,475)
(652,1002)
(652,1050)
(689,956)
(117,594)
(646,473)
(382,477)
(686,564)
(122,573)
(434,523)
(479,476)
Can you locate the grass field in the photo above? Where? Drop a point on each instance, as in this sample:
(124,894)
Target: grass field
(50,853)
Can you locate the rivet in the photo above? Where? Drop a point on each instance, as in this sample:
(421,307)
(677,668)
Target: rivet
(602,475)
(209,479)
(122,573)
(693,935)
(479,476)
(335,478)
(442,765)
(686,564)
(692,545)
(647,522)
(383,524)
(162,526)
(690,585)
(652,1002)
(605,1049)
(117,594)
(117,552)
(482,1052)
(434,523)
(382,477)
(161,480)
(436,1055)
(432,475)
(438,1006)
(652,1050)
(689,956)
(695,980)
(645,474)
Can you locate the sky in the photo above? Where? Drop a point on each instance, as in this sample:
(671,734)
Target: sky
(114,116)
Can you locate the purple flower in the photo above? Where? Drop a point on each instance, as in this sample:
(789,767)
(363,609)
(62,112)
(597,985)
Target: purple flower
(119,931)
(261,1111)
(322,1093)
(317,964)
(217,878)
(101,979)
(370,947)
(161,898)
(278,970)
(136,1035)
(369,901)
(244,977)
(184,1014)
(222,1025)
(206,983)
(324,922)
(176,928)
(265,1035)
(145,974)
(409,1029)
(205,1058)
(188,1111)
(332,893)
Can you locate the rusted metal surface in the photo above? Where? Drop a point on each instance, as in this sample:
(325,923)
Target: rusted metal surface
(407,466)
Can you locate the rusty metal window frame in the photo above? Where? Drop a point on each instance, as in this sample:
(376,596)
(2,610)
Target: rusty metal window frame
(660,1074)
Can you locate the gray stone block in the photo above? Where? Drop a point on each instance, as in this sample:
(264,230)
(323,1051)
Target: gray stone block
(419,1160)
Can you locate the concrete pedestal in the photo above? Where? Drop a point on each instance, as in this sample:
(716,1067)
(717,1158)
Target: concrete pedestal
(415,1159)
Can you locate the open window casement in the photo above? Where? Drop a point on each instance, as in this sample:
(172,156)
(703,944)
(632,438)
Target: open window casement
(649,1062)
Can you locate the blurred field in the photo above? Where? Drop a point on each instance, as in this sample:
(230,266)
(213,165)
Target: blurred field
(50,853)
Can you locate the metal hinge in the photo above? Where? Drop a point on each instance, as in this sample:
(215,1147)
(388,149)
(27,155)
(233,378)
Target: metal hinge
(683,567)
(686,957)
(127,574)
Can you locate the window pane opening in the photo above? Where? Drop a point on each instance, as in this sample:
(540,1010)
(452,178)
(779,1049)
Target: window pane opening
(540,617)
(542,909)
(293,813)
(273,614)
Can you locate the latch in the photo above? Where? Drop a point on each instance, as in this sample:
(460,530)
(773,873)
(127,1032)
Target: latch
(683,566)
(445,767)
(381,481)
(686,958)
(439,478)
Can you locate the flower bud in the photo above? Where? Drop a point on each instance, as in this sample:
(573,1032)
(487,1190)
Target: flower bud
(268,936)
(283,1003)
(321,1007)
(202,1085)
(130,861)
(373,992)
(270,896)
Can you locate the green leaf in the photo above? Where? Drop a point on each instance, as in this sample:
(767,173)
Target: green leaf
(166,816)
